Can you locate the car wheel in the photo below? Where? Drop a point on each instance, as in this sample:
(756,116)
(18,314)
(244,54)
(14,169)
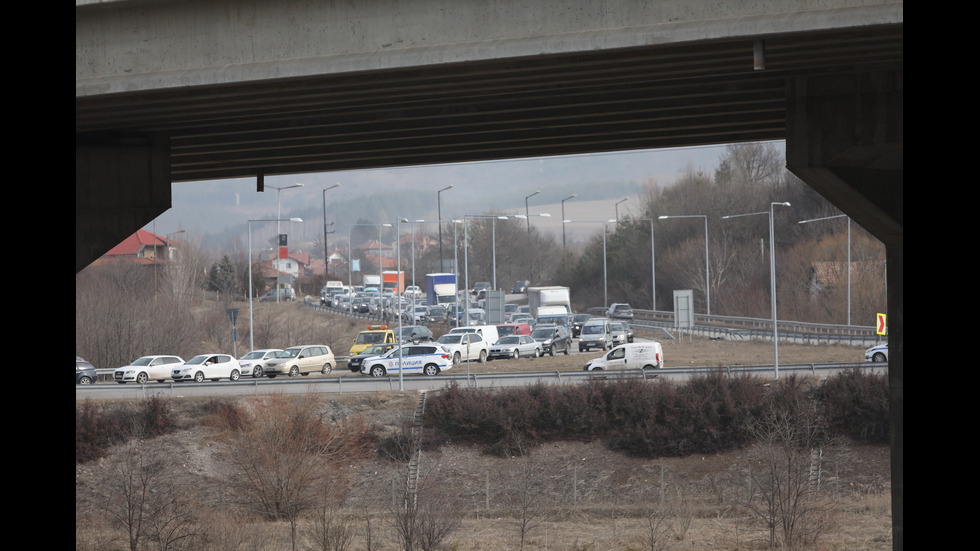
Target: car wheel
(142,378)
(85,380)
(483,356)
(257,372)
(271,376)
(235,375)
(377,371)
(327,368)
(456,358)
(878,357)
(551,350)
(566,349)
(517,354)
(199,377)
(294,371)
(649,367)
(431,370)
(160,380)
(121,382)
(537,352)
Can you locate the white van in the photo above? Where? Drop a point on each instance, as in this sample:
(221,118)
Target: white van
(595,333)
(634,355)
(488,332)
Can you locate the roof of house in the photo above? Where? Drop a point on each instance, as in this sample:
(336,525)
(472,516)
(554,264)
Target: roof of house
(132,245)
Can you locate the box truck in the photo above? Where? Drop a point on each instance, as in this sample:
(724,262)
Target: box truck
(541,297)
(440,289)
(394,281)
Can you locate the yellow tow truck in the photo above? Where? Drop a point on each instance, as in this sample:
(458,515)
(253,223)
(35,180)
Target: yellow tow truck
(375,334)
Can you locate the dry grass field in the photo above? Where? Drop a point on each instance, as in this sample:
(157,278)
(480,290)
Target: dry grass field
(559,496)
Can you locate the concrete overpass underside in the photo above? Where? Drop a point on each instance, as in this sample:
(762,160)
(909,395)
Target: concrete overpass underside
(830,83)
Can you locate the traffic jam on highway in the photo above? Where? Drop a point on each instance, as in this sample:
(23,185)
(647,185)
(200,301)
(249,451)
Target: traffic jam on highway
(403,343)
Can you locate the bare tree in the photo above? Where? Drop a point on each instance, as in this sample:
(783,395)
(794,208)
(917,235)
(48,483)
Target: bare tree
(283,459)
(783,492)
(423,525)
(146,501)
(331,530)
(529,493)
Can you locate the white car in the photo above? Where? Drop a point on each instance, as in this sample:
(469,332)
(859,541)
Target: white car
(877,354)
(143,369)
(515,346)
(208,366)
(427,358)
(465,346)
(412,291)
(255,361)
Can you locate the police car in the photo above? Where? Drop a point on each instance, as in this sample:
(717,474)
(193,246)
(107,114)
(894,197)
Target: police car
(427,358)
(877,354)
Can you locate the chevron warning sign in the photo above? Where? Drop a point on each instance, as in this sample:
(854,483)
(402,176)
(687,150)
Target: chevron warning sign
(882,325)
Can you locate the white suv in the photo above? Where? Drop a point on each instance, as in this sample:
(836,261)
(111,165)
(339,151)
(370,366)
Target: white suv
(465,346)
(427,358)
(143,369)
(297,360)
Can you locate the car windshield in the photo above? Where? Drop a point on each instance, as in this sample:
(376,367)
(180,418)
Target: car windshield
(508,340)
(254,355)
(370,338)
(374,349)
(145,360)
(289,353)
(197,360)
(591,329)
(616,326)
(543,333)
(451,338)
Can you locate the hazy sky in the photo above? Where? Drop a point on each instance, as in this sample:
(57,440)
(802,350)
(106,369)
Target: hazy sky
(208,208)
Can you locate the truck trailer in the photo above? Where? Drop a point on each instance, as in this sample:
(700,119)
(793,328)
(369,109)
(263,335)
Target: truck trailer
(538,297)
(440,289)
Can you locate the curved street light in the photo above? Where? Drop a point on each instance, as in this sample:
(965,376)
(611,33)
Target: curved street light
(772,277)
(278,232)
(251,340)
(326,250)
(707,280)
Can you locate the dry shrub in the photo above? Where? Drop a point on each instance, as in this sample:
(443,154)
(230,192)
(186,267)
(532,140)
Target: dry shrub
(97,428)
(856,404)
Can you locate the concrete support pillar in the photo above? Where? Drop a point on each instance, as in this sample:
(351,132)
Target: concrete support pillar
(845,139)
(121,184)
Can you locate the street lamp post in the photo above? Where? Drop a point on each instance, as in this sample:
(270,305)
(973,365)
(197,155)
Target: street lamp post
(572,196)
(772,278)
(251,339)
(605,276)
(707,273)
(466,264)
(326,250)
(278,232)
(350,259)
(848,255)
(527,215)
(623,200)
(439,205)
(401,349)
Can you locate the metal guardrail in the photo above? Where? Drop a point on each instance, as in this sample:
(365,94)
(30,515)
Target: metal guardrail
(743,328)
(416,382)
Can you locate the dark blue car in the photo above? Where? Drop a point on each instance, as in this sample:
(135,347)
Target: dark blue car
(84,372)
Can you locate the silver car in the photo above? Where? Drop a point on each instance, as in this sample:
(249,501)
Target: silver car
(515,346)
